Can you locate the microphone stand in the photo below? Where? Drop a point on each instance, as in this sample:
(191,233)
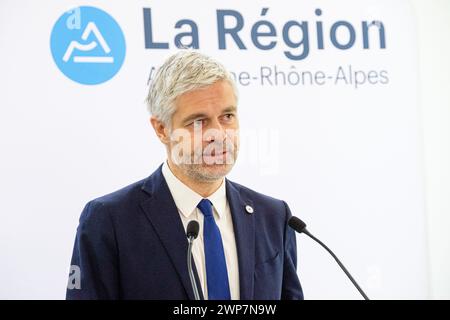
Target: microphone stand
(191,272)
(339,263)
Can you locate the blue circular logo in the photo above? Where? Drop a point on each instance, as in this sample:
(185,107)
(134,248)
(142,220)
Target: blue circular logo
(87,45)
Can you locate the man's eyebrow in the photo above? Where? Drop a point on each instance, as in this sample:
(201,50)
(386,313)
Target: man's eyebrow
(204,115)
(194,116)
(230,109)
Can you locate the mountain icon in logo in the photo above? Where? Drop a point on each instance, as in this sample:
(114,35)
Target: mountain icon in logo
(91,28)
(87,45)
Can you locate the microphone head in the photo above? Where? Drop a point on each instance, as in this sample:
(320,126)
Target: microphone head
(192,229)
(297,224)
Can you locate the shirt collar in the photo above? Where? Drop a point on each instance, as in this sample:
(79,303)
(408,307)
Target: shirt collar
(187,199)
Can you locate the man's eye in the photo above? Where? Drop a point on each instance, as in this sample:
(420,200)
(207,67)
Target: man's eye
(229,116)
(197,123)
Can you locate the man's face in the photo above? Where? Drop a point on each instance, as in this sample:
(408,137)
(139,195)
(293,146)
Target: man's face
(204,138)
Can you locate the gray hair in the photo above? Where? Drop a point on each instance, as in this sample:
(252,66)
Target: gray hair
(182,72)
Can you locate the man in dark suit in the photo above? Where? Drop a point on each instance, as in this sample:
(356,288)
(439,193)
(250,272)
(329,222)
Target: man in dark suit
(131,244)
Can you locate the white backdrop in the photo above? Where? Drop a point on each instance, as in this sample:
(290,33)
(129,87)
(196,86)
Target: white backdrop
(345,157)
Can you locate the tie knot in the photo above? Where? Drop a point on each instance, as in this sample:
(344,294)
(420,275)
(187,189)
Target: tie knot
(205,207)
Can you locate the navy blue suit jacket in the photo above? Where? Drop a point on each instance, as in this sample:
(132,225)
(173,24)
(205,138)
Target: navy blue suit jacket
(131,244)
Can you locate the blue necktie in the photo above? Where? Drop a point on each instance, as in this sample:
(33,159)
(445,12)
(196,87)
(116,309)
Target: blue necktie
(216,267)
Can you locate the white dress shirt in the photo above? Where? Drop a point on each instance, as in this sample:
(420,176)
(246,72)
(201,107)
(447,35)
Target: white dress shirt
(186,201)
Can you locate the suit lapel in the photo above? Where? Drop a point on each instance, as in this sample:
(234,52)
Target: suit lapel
(163,214)
(244,230)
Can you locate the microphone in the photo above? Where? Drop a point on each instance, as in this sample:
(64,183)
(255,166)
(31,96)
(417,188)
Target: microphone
(299,226)
(192,233)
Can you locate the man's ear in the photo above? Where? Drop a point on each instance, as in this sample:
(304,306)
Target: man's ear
(161,130)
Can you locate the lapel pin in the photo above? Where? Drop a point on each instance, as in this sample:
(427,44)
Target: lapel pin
(249,209)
